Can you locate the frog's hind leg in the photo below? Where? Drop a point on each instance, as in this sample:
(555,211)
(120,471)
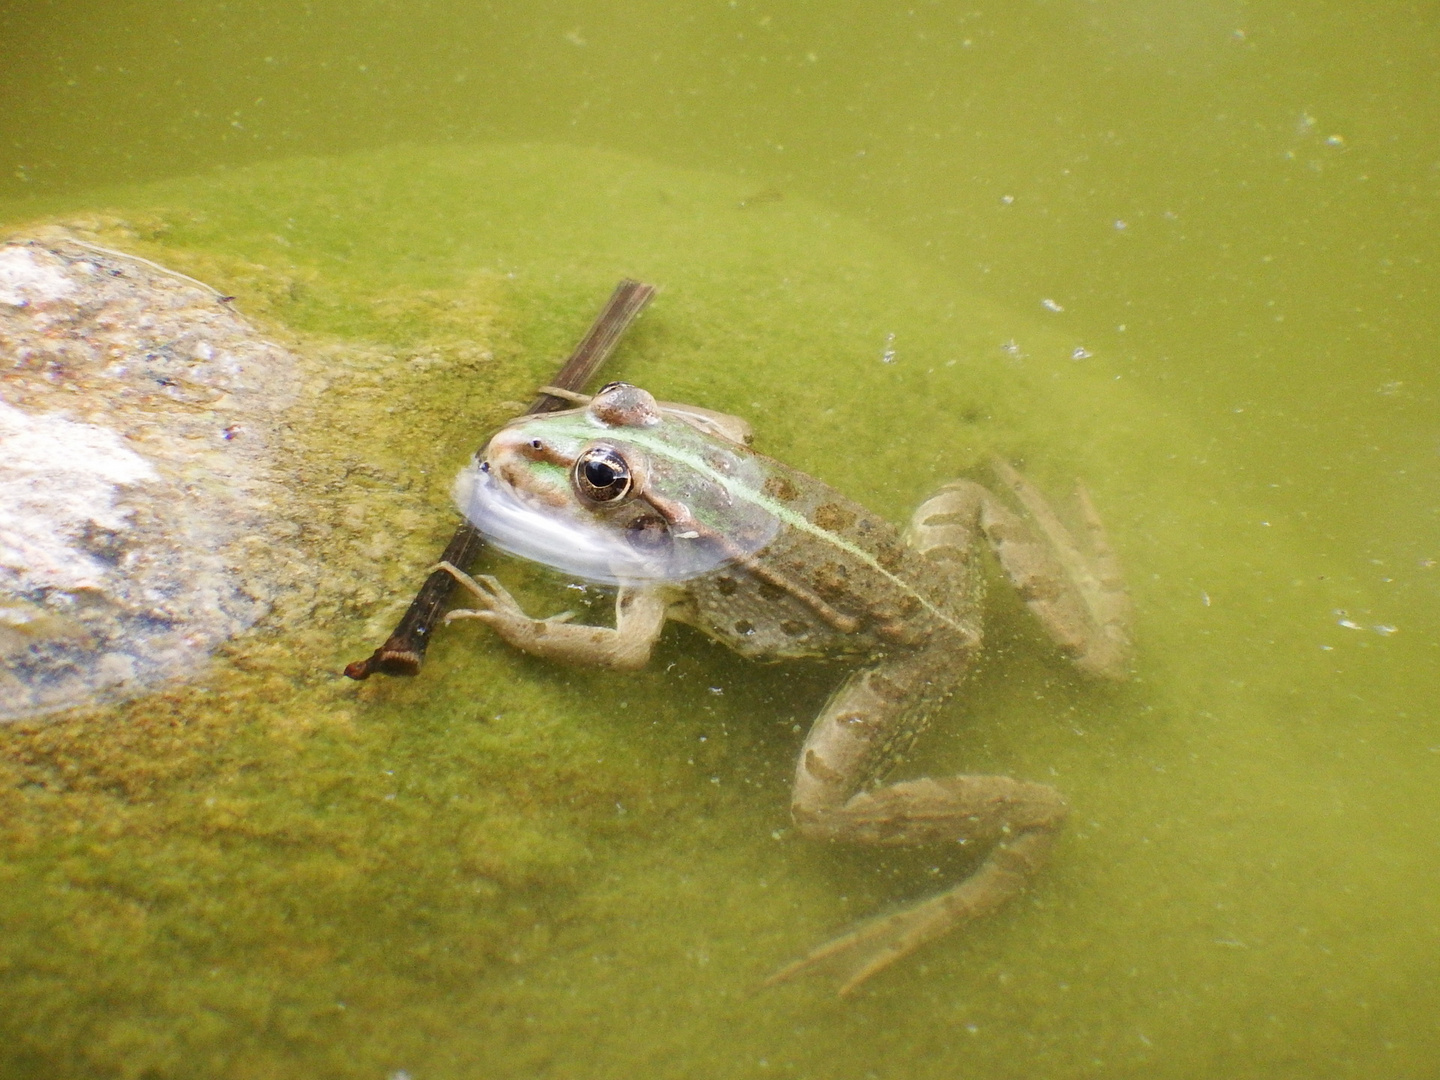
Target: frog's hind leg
(855,737)
(1076,591)
(1077,594)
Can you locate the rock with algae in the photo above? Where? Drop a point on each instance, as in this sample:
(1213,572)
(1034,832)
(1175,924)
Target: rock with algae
(138,413)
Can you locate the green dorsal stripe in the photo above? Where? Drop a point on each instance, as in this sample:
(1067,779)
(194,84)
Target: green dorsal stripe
(738,490)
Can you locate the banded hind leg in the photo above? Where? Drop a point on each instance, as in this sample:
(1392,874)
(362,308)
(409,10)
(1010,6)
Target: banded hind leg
(1079,598)
(853,739)
(1075,590)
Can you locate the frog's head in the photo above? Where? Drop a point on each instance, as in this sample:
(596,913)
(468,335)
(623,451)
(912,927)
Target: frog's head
(624,489)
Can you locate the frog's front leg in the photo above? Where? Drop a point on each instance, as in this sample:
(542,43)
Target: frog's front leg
(857,734)
(639,618)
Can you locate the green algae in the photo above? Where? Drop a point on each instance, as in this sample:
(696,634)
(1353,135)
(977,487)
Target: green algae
(503,868)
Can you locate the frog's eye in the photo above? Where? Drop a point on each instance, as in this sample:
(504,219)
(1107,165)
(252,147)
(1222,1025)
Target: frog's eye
(602,476)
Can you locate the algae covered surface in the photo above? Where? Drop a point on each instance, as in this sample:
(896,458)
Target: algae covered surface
(503,868)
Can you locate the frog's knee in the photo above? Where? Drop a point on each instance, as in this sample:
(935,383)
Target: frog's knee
(947,521)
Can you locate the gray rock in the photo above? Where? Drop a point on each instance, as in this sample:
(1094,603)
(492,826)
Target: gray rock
(138,496)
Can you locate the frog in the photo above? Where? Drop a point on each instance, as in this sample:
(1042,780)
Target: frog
(672,506)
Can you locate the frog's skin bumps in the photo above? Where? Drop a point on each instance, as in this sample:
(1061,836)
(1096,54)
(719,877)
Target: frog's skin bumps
(695,526)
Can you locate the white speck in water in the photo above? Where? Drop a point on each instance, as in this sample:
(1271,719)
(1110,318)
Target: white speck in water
(888,356)
(1349,625)
(1386,630)
(1081,353)
(1051,305)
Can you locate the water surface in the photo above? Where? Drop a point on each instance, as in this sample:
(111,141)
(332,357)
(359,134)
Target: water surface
(1186,253)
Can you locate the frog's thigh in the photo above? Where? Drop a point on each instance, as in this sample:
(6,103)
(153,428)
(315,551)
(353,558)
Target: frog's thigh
(849,742)
(946,526)
(1077,596)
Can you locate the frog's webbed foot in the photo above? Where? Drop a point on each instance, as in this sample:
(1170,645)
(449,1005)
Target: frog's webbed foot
(1076,590)
(875,944)
(639,617)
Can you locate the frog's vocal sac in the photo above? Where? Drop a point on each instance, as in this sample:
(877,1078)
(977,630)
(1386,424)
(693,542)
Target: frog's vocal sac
(669,503)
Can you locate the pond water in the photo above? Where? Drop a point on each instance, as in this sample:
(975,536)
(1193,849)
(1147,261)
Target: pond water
(1184,252)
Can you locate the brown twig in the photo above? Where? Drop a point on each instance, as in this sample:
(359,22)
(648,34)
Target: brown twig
(404,650)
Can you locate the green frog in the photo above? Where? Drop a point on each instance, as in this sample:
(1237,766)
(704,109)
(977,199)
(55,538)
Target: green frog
(669,503)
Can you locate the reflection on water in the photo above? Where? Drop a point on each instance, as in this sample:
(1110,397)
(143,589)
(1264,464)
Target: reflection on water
(511,868)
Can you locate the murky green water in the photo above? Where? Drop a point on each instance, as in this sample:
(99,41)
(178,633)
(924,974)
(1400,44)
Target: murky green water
(507,869)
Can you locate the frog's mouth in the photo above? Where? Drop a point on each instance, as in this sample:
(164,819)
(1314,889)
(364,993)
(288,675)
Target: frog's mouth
(627,545)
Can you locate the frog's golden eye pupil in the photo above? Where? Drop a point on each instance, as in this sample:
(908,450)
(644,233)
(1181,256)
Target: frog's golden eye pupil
(601,475)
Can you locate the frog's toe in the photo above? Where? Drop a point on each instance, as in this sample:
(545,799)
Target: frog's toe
(874,945)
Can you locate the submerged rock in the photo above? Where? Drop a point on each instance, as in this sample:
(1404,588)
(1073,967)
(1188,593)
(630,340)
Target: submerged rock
(138,417)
